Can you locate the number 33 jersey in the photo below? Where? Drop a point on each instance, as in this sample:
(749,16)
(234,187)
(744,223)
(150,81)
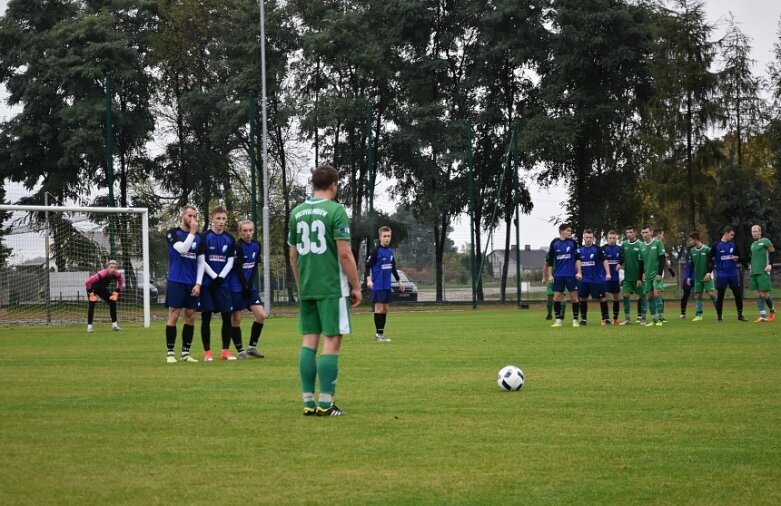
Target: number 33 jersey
(315,226)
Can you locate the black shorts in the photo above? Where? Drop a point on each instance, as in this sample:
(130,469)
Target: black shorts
(177,296)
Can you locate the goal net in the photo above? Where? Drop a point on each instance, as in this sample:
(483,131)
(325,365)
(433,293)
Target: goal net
(52,250)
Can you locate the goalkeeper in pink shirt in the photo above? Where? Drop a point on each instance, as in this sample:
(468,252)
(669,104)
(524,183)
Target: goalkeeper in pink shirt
(98,285)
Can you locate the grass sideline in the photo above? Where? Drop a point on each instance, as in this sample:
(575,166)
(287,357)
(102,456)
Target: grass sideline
(683,414)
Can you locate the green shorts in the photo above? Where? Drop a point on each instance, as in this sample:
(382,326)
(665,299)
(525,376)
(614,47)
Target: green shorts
(653,284)
(760,282)
(631,287)
(330,317)
(704,286)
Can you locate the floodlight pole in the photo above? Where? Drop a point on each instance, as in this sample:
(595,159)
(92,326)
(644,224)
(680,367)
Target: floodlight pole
(264,162)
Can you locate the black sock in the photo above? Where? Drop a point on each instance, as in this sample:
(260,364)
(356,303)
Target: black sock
(90,313)
(603,307)
(112,310)
(616,309)
(379,322)
(236,331)
(685,300)
(720,303)
(584,309)
(188,331)
(575,309)
(206,331)
(226,332)
(170,338)
(738,302)
(254,337)
(557,309)
(639,308)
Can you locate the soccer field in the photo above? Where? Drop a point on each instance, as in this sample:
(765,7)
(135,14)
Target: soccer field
(682,414)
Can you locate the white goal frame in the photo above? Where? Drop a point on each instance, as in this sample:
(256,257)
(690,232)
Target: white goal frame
(143,211)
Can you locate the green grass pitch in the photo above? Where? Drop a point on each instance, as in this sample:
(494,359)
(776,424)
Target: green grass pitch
(683,414)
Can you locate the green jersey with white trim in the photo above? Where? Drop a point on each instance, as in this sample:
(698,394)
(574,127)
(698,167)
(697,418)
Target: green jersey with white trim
(700,259)
(760,255)
(631,253)
(315,226)
(650,254)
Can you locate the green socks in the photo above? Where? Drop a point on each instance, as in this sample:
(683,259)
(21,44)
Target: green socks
(328,369)
(307,368)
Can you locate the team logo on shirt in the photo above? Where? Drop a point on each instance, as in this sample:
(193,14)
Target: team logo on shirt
(224,248)
(253,255)
(193,246)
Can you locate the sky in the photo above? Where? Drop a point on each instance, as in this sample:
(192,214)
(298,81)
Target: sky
(757,18)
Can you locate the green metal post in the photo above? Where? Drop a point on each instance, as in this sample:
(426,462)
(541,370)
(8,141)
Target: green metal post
(470,168)
(253,161)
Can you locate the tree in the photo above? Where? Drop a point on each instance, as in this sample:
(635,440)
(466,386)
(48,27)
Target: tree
(37,144)
(190,52)
(511,41)
(683,107)
(428,146)
(593,85)
(739,88)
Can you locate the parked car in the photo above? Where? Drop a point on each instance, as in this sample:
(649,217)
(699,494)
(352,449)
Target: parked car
(410,293)
(153,294)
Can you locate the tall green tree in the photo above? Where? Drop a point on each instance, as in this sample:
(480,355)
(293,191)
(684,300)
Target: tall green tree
(594,84)
(684,105)
(35,139)
(347,67)
(189,51)
(741,104)
(512,41)
(427,149)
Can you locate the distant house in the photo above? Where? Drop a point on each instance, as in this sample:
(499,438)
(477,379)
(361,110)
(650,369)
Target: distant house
(531,260)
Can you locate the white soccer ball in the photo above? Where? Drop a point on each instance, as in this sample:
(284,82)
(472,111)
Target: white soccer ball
(510,378)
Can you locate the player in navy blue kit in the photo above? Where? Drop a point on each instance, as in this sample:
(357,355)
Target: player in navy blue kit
(725,258)
(686,286)
(592,272)
(380,265)
(182,291)
(242,285)
(215,263)
(562,263)
(614,255)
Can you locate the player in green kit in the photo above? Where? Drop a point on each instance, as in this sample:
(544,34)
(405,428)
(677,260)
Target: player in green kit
(326,275)
(630,254)
(654,261)
(701,277)
(760,274)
